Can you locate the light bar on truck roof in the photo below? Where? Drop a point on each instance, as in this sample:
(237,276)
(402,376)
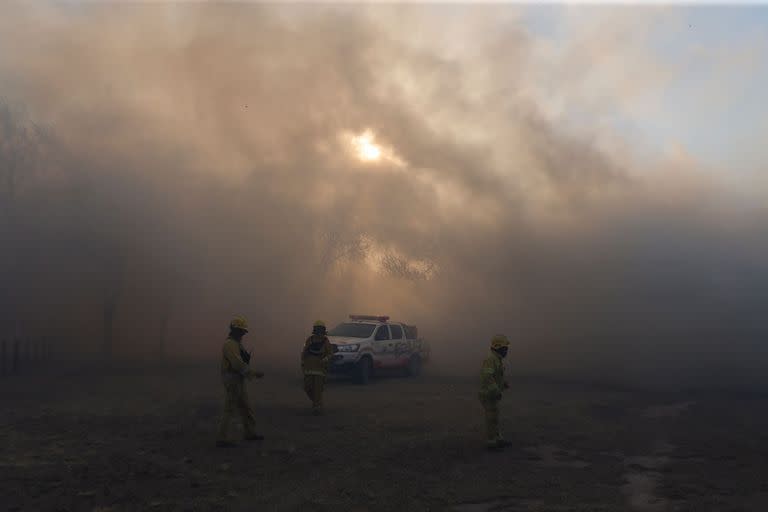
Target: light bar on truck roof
(378,318)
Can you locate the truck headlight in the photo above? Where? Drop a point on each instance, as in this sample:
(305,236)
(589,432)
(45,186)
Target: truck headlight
(353,347)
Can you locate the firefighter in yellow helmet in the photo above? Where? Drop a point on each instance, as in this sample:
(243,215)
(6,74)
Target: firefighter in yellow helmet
(315,358)
(234,371)
(492,384)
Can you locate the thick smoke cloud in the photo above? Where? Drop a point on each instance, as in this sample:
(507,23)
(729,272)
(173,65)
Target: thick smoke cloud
(165,166)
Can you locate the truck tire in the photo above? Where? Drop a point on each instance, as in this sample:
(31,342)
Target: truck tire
(363,371)
(414,366)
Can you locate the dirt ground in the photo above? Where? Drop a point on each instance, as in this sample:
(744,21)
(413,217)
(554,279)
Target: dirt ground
(144,440)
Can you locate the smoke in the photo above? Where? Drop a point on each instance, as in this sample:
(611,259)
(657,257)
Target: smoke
(173,165)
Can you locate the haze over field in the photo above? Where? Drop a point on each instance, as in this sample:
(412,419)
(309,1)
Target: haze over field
(586,180)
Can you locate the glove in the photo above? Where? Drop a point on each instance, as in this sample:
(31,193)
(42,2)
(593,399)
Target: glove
(256,374)
(246,356)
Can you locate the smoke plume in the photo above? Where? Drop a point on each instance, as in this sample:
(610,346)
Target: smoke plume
(165,166)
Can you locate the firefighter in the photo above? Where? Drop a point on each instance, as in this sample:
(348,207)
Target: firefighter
(492,384)
(235,370)
(315,358)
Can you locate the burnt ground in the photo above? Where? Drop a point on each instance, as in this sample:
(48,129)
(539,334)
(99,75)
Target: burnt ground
(133,440)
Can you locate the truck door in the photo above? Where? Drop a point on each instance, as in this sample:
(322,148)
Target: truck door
(400,345)
(382,347)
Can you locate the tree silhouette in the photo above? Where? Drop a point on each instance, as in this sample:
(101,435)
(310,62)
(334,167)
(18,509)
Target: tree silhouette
(22,145)
(339,247)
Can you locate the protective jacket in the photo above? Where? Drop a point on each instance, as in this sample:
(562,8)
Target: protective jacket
(232,365)
(316,355)
(491,378)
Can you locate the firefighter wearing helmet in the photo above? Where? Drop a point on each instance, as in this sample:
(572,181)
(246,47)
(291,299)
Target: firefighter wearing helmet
(235,370)
(315,358)
(492,385)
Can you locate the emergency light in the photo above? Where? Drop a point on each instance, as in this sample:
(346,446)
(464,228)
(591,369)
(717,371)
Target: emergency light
(369,317)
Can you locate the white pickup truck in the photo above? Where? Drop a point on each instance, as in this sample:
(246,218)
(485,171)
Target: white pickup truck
(368,343)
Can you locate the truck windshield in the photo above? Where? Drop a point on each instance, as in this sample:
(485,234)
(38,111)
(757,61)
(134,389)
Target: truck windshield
(353,330)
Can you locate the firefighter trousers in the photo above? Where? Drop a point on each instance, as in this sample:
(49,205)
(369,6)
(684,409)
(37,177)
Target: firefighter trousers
(314,385)
(492,433)
(236,404)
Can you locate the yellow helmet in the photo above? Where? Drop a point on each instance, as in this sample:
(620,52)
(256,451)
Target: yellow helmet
(499,341)
(318,323)
(239,322)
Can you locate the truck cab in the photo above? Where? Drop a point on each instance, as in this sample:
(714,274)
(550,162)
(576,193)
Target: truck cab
(367,343)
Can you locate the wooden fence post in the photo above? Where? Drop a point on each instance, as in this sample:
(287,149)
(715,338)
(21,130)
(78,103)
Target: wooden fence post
(16,346)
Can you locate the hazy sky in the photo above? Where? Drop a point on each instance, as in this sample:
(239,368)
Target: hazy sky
(709,98)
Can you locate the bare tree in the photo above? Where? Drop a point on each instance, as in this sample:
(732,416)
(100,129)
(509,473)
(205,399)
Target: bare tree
(339,247)
(112,289)
(167,299)
(399,267)
(22,145)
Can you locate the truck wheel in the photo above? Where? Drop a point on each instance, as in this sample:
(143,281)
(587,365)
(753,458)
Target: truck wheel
(414,366)
(363,371)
